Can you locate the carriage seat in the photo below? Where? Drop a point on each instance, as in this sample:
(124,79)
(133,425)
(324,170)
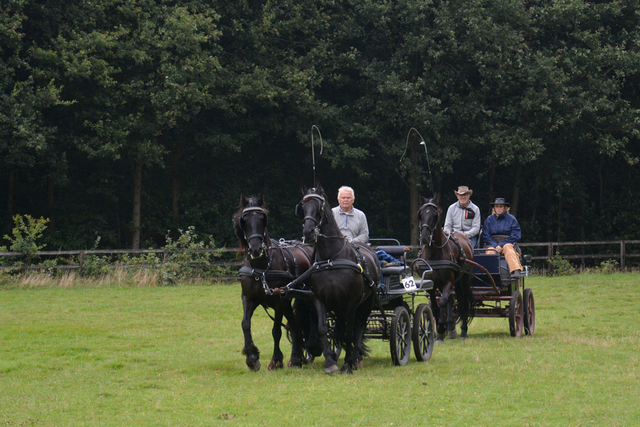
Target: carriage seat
(396,251)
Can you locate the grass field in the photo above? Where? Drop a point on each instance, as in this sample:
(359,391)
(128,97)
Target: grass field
(142,356)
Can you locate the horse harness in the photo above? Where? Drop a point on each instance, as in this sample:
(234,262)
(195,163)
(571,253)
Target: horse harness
(290,272)
(361,266)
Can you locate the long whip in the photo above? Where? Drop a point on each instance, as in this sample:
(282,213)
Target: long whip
(425,151)
(313,154)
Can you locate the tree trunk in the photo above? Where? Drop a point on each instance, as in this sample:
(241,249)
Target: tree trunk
(12,179)
(515,197)
(137,196)
(414,205)
(175,191)
(492,176)
(414,198)
(51,204)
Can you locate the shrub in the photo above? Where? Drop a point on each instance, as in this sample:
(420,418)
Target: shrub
(608,267)
(560,266)
(185,255)
(24,235)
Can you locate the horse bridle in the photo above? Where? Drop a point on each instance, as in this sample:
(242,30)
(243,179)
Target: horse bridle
(247,211)
(316,229)
(427,226)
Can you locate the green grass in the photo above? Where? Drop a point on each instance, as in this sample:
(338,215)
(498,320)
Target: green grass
(111,356)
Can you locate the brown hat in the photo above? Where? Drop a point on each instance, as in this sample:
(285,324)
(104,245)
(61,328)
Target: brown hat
(462,190)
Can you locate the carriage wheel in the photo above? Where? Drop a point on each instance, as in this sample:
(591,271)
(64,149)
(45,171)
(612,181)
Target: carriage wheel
(516,315)
(400,340)
(335,346)
(529,312)
(423,332)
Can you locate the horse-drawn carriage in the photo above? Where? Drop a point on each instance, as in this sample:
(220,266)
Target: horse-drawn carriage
(351,297)
(498,294)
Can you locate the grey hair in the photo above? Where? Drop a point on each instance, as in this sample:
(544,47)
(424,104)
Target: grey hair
(346,188)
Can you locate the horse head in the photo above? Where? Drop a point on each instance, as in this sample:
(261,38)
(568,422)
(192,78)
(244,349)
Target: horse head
(311,210)
(250,225)
(429,219)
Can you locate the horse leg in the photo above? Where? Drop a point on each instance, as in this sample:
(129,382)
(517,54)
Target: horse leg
(349,362)
(330,364)
(276,332)
(295,361)
(435,308)
(465,304)
(249,350)
(362,317)
(446,307)
(451,321)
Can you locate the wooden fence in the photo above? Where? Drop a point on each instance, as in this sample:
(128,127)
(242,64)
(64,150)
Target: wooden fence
(621,251)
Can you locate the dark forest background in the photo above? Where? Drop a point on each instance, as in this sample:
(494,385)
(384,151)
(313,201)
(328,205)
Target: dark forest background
(126,120)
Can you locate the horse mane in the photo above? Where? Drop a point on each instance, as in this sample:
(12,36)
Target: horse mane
(246,202)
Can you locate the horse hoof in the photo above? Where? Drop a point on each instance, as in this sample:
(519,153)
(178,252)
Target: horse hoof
(275,365)
(294,363)
(453,334)
(254,367)
(438,342)
(440,337)
(331,369)
(359,364)
(346,369)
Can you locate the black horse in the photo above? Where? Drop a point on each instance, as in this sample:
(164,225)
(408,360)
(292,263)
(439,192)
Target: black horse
(267,265)
(344,281)
(446,255)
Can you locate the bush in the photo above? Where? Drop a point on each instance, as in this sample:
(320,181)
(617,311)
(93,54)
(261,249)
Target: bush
(608,267)
(560,266)
(184,257)
(23,239)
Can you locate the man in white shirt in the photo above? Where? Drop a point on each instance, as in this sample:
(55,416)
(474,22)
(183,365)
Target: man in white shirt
(351,221)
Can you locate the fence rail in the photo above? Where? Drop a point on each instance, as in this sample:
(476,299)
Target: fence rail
(622,253)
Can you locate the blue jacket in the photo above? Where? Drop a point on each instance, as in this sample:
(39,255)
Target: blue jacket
(506,224)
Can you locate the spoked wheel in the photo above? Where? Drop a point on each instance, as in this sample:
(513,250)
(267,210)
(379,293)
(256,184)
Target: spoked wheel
(307,358)
(516,315)
(423,332)
(529,312)
(336,347)
(400,339)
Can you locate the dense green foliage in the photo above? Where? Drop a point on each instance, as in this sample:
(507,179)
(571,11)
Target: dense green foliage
(123,119)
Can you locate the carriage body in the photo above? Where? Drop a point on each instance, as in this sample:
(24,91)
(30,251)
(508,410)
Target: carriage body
(497,294)
(401,318)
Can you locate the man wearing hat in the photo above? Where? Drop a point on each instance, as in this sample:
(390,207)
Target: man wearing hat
(463,216)
(502,223)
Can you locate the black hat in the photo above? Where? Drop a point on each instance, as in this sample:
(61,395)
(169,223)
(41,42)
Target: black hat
(499,201)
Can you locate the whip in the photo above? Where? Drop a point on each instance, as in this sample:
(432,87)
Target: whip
(425,151)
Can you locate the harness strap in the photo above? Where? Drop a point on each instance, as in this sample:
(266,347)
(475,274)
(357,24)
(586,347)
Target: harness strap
(324,265)
(258,274)
(463,255)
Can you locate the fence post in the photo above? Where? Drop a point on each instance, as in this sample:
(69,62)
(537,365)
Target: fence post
(81,261)
(622,255)
(550,255)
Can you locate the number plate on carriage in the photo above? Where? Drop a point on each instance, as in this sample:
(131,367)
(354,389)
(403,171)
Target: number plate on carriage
(409,284)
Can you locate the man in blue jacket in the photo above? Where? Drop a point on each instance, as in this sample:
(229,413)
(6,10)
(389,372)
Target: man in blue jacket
(501,222)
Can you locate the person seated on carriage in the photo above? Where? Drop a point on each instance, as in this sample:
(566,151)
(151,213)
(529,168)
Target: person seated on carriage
(353,223)
(463,216)
(502,223)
